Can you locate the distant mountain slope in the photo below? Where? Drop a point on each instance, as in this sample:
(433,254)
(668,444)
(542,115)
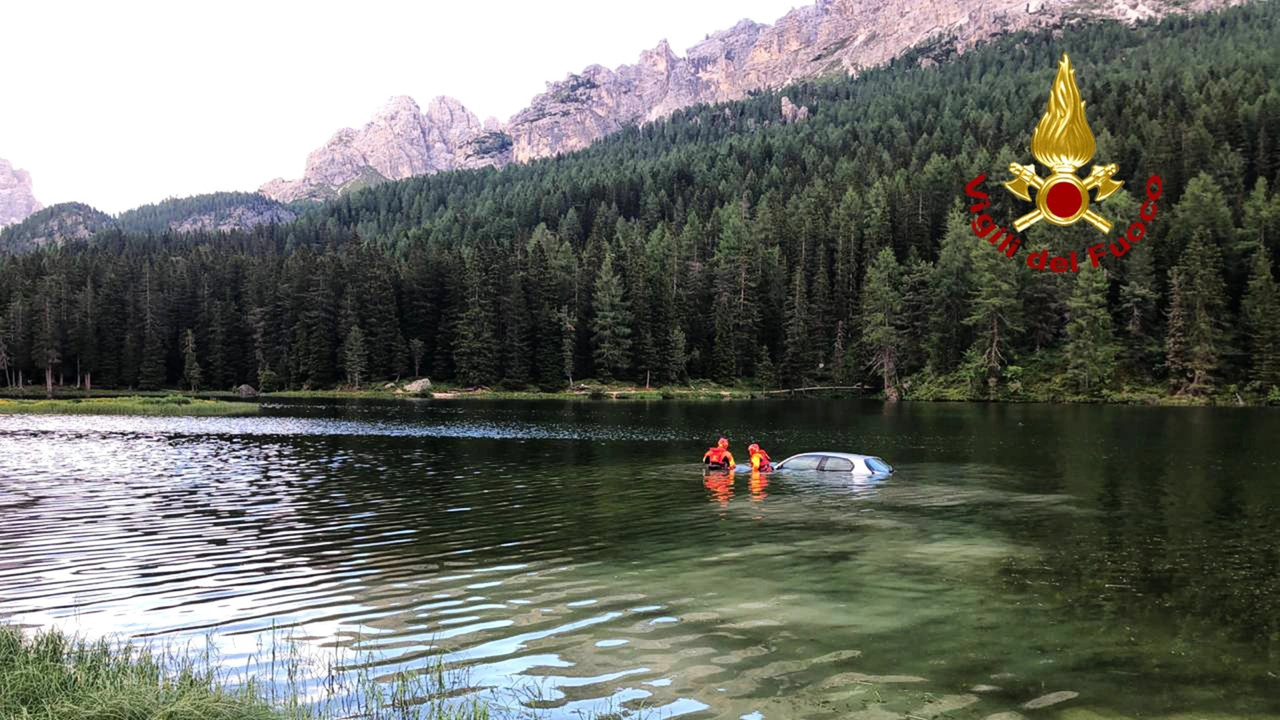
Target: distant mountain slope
(54,225)
(16,198)
(828,37)
(215,212)
(222,212)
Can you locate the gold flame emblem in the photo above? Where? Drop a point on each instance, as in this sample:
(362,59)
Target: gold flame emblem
(1063,142)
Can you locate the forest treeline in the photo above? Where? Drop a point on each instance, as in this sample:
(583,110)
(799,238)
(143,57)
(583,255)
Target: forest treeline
(726,244)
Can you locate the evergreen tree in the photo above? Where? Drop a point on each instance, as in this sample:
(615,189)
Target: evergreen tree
(190,366)
(355,356)
(1262,318)
(417,348)
(611,326)
(952,289)
(1091,346)
(798,362)
(1194,341)
(995,312)
(46,350)
(476,354)
(882,318)
(1139,317)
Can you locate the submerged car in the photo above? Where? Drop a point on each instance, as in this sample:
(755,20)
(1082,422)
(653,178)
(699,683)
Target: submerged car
(837,462)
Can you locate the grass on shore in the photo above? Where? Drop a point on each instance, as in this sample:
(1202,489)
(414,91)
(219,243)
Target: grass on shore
(167,405)
(49,675)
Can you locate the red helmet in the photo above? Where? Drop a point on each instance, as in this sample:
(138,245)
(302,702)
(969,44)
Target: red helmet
(753,447)
(724,442)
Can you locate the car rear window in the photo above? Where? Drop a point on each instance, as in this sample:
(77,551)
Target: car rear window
(878,466)
(835,464)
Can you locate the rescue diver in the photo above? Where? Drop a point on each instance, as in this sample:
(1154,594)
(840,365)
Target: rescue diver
(719,456)
(760,460)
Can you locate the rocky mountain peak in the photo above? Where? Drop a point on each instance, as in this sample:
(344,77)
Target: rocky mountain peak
(17,201)
(822,38)
(400,141)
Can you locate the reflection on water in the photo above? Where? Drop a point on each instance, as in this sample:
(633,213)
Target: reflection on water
(573,557)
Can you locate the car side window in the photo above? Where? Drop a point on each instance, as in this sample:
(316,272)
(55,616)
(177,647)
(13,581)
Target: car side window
(804,462)
(835,464)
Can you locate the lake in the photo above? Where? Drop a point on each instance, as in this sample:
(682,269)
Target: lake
(569,557)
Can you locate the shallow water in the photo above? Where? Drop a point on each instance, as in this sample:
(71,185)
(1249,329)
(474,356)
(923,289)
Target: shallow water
(570,557)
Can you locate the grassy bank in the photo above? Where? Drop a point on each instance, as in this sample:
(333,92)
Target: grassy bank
(167,405)
(49,675)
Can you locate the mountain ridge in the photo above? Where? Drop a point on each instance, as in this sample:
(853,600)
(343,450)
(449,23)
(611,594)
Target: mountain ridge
(826,37)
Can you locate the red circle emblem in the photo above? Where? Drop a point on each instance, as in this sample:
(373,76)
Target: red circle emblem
(1063,200)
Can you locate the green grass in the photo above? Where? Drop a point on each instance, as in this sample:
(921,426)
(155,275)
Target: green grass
(49,675)
(167,405)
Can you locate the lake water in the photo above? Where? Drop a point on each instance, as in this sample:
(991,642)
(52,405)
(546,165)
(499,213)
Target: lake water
(570,557)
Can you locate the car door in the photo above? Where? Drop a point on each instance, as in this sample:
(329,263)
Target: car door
(836,464)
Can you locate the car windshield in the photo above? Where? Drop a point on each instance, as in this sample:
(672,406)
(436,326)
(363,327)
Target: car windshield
(878,466)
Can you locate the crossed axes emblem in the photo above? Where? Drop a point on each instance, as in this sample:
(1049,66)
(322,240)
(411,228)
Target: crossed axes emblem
(1062,198)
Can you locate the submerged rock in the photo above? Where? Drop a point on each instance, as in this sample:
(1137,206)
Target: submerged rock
(1051,699)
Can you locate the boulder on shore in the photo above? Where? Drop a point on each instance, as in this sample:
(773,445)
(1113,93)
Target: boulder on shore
(417,386)
(246,391)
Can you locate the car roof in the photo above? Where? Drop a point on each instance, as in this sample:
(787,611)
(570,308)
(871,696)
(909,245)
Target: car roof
(823,453)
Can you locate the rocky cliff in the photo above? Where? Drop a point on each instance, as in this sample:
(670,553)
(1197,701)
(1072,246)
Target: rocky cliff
(829,36)
(400,141)
(16,198)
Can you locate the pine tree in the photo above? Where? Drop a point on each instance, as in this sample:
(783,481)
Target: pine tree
(355,356)
(46,349)
(190,366)
(917,312)
(151,365)
(86,334)
(882,318)
(798,361)
(611,326)
(1261,308)
(1138,317)
(952,290)
(1194,340)
(417,348)
(476,353)
(995,312)
(1091,348)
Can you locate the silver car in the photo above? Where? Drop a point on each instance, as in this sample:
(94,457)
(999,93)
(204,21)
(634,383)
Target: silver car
(838,462)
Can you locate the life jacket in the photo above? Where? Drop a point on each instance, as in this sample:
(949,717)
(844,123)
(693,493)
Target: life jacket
(760,461)
(716,455)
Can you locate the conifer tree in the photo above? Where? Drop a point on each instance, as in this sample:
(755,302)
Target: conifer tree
(882,318)
(798,361)
(995,311)
(611,326)
(1140,351)
(1262,319)
(417,348)
(1091,346)
(476,353)
(355,356)
(1194,340)
(190,365)
(952,289)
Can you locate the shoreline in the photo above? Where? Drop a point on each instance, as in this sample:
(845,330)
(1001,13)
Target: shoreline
(177,402)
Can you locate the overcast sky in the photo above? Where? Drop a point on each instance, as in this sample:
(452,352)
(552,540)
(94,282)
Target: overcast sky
(118,104)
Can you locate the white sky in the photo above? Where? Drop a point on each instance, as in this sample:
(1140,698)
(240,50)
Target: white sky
(119,104)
